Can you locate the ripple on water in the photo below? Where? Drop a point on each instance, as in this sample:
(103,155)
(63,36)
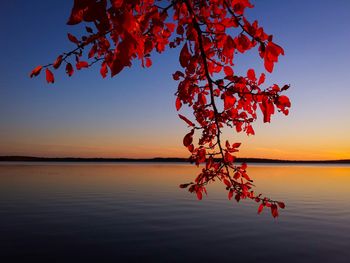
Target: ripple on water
(137,213)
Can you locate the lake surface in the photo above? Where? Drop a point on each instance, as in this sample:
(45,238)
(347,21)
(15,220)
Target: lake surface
(136,213)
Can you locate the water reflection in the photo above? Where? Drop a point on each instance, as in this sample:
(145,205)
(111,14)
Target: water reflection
(133,212)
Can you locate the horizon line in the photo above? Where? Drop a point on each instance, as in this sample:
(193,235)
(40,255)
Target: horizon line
(14,158)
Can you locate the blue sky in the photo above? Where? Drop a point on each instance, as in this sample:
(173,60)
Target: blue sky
(133,114)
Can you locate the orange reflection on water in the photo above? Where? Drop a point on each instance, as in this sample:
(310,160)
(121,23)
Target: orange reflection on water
(276,181)
(306,180)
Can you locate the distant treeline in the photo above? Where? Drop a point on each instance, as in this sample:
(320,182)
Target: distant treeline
(151,160)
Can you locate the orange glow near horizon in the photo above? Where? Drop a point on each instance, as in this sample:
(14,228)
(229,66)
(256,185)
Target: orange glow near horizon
(276,140)
(252,147)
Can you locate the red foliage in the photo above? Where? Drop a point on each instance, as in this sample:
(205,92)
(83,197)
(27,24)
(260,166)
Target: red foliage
(36,71)
(49,76)
(122,31)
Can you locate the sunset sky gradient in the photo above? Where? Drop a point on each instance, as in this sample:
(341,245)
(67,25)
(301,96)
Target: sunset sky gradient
(133,114)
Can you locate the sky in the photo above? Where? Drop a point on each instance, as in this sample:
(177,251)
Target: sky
(133,114)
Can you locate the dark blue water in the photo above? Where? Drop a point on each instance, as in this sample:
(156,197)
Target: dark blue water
(137,213)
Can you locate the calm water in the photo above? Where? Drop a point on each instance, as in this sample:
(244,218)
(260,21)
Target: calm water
(137,213)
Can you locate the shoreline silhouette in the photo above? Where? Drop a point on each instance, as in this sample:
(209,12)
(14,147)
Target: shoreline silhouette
(157,160)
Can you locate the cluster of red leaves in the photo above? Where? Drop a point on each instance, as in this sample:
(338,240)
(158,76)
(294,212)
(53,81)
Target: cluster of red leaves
(128,30)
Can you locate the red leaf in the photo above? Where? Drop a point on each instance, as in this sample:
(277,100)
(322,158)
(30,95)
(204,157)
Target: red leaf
(148,62)
(233,148)
(285,87)
(201,155)
(209,162)
(229,101)
(171,26)
(274,210)
(36,71)
(272,51)
(245,176)
(261,79)
(117,3)
(202,99)
(82,64)
(104,69)
(239,6)
(199,195)
(250,130)
(177,75)
(187,141)
(227,182)
(92,51)
(243,43)
(237,197)
(281,205)
(57,62)
(72,38)
(230,194)
(268,65)
(236,145)
(267,109)
(190,123)
(178,104)
(116,67)
(251,75)
(284,101)
(261,207)
(77,12)
(129,21)
(236,175)
(184,56)
(49,76)
(69,69)
(190,148)
(229,158)
(228,71)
